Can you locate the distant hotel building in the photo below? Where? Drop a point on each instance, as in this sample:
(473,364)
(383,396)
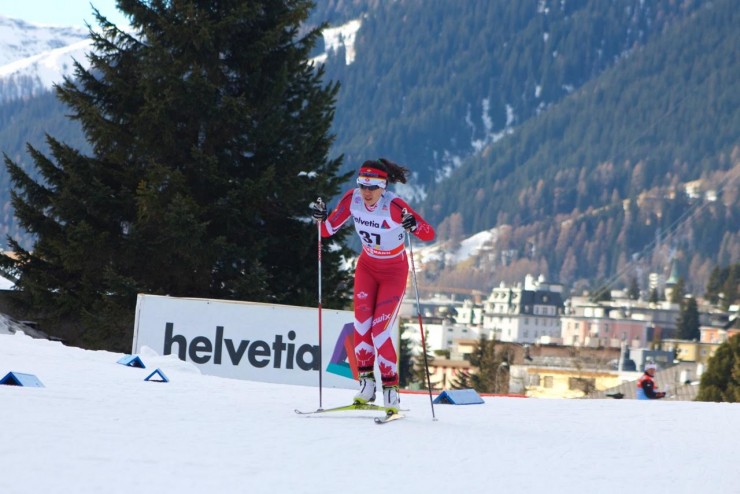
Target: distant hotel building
(528,314)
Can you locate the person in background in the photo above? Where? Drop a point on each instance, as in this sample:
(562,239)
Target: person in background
(646,388)
(381,219)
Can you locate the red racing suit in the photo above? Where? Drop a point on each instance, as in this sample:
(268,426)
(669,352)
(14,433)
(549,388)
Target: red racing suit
(380,276)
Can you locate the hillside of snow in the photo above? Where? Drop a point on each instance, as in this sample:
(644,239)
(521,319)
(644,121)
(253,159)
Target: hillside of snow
(34,57)
(20,39)
(98,426)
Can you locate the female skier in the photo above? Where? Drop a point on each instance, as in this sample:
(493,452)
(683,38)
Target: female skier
(380,218)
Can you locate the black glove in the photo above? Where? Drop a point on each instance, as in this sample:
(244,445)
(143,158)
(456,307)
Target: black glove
(318,211)
(408,222)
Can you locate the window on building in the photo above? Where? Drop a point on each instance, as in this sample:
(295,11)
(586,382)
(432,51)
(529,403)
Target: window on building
(548,382)
(534,380)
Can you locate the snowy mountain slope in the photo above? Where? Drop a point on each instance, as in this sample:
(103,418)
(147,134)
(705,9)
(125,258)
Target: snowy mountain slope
(20,39)
(467,248)
(97,426)
(33,57)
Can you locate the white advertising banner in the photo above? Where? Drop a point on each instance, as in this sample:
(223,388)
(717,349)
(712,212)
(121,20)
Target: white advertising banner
(252,341)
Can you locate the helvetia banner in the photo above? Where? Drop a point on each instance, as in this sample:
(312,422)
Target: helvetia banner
(252,341)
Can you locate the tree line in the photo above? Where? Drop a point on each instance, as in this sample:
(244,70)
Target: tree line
(209,136)
(575,81)
(608,103)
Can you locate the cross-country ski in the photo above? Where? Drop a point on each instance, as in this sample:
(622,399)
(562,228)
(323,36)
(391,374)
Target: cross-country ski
(354,406)
(390,417)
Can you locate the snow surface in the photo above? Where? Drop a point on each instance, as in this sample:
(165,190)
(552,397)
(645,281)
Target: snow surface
(470,246)
(97,426)
(45,69)
(340,37)
(33,58)
(20,39)
(5,283)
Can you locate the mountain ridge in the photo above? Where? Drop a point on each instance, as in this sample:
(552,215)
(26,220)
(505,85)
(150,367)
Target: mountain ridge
(529,130)
(33,57)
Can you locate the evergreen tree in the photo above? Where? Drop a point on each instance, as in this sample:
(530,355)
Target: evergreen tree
(688,320)
(462,380)
(491,369)
(420,365)
(484,360)
(405,362)
(634,290)
(654,296)
(730,293)
(720,382)
(209,131)
(714,285)
(722,286)
(678,292)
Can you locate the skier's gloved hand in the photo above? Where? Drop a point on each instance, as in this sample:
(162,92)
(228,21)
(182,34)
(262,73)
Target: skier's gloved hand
(318,211)
(408,222)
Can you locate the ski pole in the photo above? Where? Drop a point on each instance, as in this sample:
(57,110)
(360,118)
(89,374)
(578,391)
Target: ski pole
(421,325)
(320,203)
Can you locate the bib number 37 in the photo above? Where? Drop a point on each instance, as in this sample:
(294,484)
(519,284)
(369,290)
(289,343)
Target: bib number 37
(370,238)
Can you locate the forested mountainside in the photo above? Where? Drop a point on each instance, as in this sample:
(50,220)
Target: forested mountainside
(639,167)
(572,128)
(666,114)
(434,82)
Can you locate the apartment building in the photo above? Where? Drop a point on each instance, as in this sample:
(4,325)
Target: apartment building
(528,313)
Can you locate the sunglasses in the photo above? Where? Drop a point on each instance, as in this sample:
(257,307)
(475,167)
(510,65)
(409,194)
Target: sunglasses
(369,187)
